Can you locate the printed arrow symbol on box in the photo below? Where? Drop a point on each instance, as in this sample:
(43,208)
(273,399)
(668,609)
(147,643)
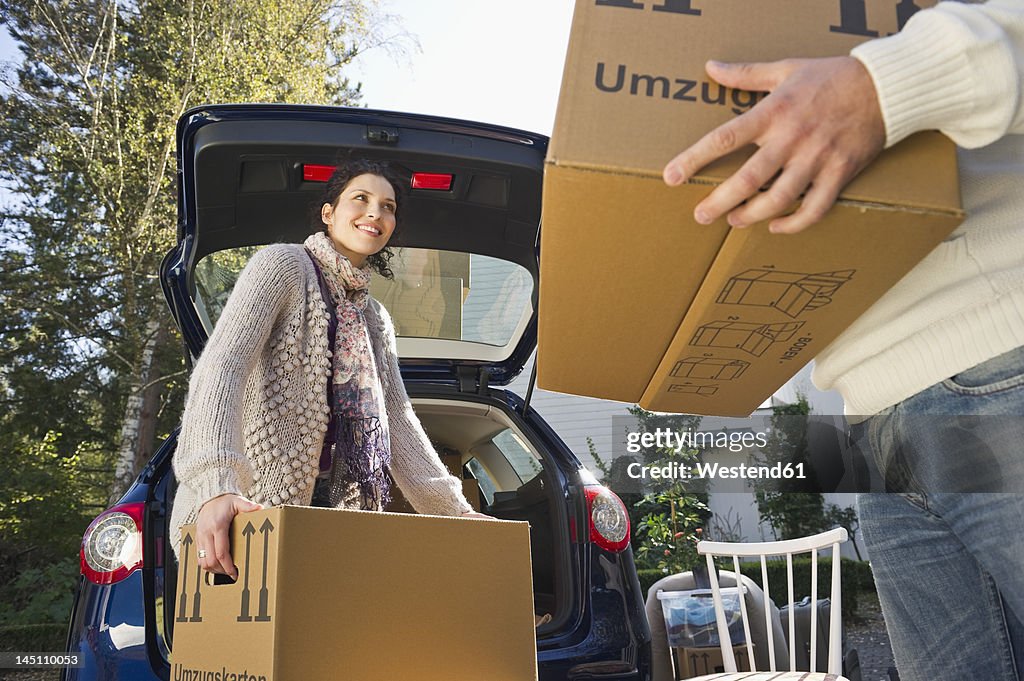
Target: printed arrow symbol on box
(244,615)
(265,529)
(196,602)
(186,548)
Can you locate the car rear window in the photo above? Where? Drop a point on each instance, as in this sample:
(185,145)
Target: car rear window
(435,295)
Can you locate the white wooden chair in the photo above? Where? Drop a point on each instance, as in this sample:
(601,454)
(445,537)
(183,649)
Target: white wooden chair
(788,548)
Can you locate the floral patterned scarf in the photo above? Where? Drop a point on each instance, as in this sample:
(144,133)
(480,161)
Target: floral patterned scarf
(359,428)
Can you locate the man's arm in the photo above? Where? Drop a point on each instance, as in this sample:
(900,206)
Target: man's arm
(955,68)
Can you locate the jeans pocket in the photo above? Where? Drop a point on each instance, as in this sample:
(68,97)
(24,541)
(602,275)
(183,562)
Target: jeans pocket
(890,453)
(1000,373)
(916,499)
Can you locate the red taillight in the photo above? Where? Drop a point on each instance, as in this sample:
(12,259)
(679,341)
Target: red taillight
(435,181)
(609,521)
(112,546)
(316,173)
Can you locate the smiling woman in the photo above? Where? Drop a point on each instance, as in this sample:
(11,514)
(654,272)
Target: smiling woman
(297,397)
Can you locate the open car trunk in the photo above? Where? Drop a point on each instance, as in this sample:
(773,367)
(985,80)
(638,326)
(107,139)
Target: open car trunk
(250,176)
(463,298)
(510,479)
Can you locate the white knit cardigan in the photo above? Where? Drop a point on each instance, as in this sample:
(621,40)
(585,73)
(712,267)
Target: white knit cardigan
(958,68)
(256,413)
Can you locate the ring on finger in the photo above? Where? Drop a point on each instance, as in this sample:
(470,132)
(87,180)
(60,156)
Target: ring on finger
(202,553)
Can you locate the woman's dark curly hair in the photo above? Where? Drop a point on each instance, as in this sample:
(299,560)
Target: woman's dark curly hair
(346,170)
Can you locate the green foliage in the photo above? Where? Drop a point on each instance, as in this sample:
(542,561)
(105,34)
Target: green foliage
(91,371)
(648,576)
(667,520)
(599,461)
(857,580)
(836,516)
(792,514)
(88,158)
(798,510)
(33,638)
(46,501)
(40,594)
(669,540)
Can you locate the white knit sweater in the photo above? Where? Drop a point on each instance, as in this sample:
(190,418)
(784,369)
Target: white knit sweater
(257,413)
(956,68)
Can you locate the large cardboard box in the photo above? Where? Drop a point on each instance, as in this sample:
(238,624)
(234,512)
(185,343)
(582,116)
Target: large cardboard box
(471,490)
(426,296)
(334,595)
(638,302)
(399,504)
(453,462)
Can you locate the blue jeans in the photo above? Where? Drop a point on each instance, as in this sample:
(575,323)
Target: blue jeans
(946,540)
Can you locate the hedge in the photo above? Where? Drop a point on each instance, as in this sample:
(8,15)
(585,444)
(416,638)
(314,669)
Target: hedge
(857,580)
(34,638)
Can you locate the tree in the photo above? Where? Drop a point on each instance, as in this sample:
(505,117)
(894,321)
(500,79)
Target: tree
(836,516)
(87,349)
(798,509)
(43,500)
(666,515)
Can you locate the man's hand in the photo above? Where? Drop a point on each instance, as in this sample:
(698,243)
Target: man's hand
(819,127)
(212,526)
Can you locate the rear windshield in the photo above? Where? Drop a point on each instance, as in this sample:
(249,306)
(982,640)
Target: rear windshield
(435,298)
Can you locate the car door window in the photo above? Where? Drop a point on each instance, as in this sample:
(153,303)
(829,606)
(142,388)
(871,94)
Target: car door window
(483,478)
(518,455)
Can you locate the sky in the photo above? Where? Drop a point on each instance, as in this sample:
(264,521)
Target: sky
(484,60)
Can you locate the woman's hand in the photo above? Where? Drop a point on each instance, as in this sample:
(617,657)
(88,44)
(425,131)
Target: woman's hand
(212,525)
(478,516)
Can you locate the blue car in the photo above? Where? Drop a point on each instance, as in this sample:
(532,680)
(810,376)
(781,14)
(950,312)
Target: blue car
(464,301)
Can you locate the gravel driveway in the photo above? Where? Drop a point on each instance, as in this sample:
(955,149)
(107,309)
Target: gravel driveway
(868,637)
(871,641)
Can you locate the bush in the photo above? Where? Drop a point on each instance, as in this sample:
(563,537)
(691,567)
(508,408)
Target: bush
(33,638)
(857,580)
(40,595)
(47,499)
(647,579)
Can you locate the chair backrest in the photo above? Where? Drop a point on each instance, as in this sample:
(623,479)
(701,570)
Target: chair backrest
(787,548)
